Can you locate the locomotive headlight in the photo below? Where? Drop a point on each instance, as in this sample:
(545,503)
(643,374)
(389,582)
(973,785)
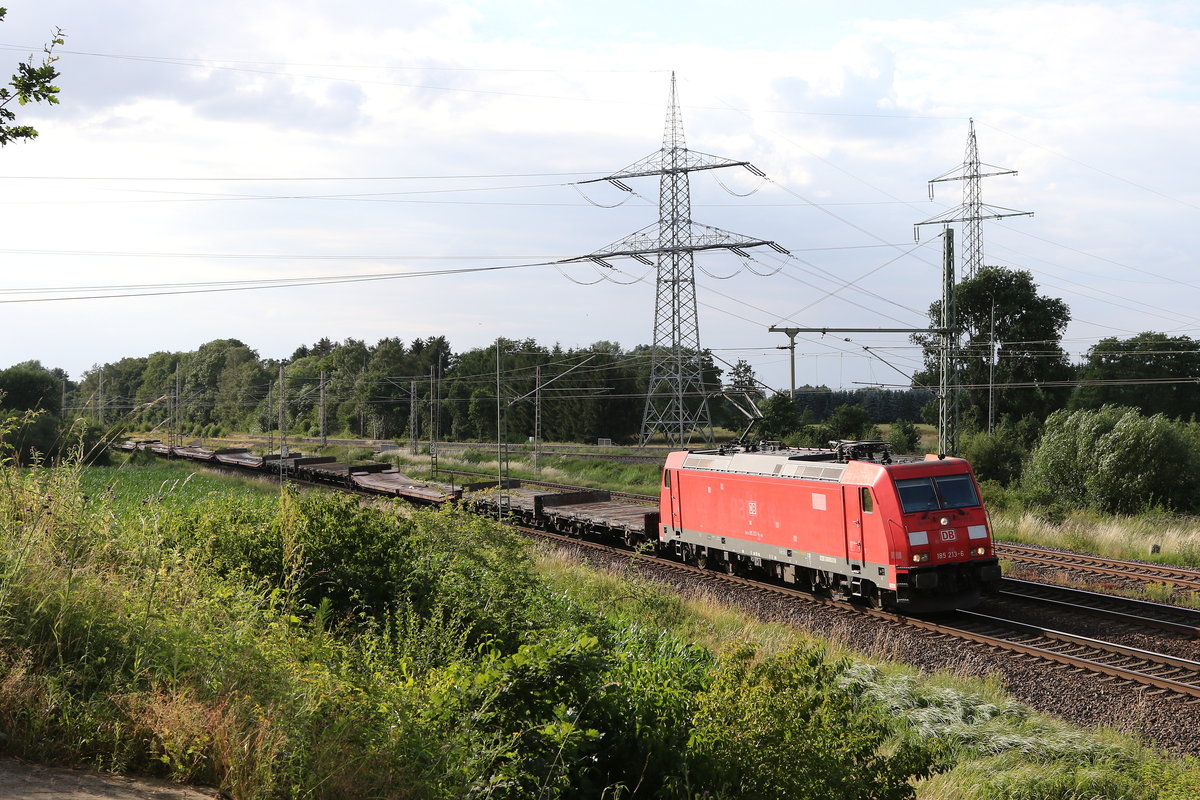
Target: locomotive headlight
(979,551)
(919,558)
(944,521)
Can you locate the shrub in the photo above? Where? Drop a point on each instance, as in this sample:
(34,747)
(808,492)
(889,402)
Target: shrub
(904,436)
(1113,460)
(997,456)
(791,726)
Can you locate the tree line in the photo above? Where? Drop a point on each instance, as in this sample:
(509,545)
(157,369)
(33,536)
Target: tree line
(1010,365)
(394,389)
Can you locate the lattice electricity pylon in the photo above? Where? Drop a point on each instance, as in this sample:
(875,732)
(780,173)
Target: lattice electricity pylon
(677,398)
(973,210)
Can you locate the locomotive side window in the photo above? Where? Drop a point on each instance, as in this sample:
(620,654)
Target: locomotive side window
(942,491)
(667,478)
(868,502)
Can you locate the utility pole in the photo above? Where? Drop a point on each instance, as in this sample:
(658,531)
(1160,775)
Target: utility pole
(992,371)
(412,417)
(973,210)
(676,398)
(790,346)
(178,428)
(501,443)
(282,421)
(537,416)
(433,419)
(321,412)
(947,385)
(100,410)
(947,390)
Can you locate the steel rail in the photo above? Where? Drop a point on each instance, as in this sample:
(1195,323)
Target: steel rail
(1140,613)
(1180,576)
(1154,660)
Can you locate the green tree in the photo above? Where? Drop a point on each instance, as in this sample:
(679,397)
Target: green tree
(33,82)
(23,388)
(152,399)
(849,422)
(1118,370)
(904,437)
(996,456)
(240,384)
(780,417)
(1003,306)
(1114,460)
(202,373)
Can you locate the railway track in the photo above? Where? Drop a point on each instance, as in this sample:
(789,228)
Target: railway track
(1148,668)
(1136,613)
(1109,660)
(1097,565)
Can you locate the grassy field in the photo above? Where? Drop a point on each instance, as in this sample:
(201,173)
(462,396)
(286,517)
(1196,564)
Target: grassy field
(283,644)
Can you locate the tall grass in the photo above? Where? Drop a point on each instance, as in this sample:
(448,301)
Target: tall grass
(1161,538)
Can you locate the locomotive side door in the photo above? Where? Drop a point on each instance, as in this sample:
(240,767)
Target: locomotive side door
(855,497)
(675,491)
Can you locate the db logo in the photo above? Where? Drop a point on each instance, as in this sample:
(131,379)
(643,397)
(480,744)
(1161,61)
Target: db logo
(949,536)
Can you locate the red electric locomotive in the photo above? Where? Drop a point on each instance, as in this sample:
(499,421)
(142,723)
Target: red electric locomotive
(909,535)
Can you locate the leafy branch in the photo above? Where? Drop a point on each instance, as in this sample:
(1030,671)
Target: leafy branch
(32,83)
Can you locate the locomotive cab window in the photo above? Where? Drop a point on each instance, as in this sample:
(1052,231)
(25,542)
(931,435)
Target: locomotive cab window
(667,478)
(941,491)
(957,491)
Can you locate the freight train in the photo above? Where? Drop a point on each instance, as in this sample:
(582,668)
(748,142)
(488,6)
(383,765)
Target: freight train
(851,521)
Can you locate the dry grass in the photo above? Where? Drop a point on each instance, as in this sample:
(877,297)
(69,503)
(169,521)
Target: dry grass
(1163,538)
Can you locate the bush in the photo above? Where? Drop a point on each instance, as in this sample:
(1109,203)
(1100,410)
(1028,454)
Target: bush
(791,726)
(997,456)
(904,437)
(1113,460)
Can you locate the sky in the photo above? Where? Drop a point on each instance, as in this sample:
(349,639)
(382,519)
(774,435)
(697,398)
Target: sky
(418,166)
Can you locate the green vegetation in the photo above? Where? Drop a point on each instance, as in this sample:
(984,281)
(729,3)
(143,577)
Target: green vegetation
(305,645)
(987,746)
(32,83)
(1114,460)
(308,646)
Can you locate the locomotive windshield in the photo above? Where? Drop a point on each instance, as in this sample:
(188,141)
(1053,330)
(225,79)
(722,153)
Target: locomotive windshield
(939,491)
